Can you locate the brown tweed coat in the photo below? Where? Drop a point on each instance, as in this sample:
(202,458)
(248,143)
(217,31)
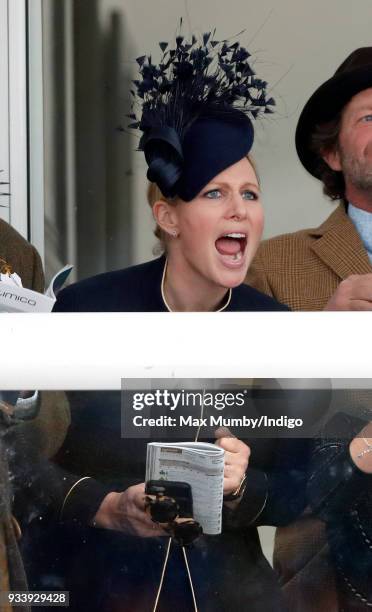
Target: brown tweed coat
(303,269)
(21,256)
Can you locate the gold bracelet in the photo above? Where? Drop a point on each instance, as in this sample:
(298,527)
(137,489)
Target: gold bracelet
(238,492)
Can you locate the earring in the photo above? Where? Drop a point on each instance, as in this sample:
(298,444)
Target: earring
(174,233)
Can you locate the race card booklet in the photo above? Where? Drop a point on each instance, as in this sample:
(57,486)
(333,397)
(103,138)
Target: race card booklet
(16,298)
(201,465)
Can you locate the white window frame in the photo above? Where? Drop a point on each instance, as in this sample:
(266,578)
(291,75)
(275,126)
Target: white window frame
(17,88)
(4,111)
(21,120)
(36,125)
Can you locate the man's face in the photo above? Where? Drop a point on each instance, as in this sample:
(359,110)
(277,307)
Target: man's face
(353,156)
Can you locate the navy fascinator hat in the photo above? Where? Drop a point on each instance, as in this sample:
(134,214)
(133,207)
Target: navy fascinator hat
(195,110)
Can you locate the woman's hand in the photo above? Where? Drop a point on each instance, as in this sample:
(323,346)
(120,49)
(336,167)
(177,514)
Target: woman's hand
(236,459)
(361,449)
(126,512)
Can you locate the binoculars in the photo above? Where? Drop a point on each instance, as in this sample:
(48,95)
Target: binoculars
(170,503)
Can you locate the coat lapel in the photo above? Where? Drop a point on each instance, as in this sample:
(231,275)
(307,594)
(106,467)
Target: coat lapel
(339,245)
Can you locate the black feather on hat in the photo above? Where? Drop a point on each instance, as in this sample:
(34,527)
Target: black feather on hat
(196,111)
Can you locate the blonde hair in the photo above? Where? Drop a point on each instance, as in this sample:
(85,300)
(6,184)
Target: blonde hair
(154,195)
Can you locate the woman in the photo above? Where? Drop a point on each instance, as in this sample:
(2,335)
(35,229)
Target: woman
(209,243)
(209,216)
(197,111)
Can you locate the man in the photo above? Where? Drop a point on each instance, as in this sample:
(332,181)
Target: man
(18,255)
(330,268)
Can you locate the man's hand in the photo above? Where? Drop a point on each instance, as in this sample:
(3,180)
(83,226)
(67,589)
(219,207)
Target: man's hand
(353,293)
(236,459)
(126,512)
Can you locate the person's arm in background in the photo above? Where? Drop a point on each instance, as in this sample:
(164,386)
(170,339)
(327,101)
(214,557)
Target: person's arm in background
(338,474)
(340,493)
(21,257)
(44,490)
(48,488)
(351,294)
(330,484)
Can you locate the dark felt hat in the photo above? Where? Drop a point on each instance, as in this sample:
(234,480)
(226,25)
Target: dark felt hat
(354,75)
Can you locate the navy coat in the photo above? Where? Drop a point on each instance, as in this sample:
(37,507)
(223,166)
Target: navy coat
(138,289)
(113,571)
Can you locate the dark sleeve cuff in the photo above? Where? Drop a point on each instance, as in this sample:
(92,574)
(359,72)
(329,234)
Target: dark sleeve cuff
(59,495)
(252,504)
(83,500)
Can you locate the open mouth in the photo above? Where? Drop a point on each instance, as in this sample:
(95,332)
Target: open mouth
(232,246)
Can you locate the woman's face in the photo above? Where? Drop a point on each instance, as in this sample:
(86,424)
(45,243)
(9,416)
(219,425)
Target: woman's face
(220,229)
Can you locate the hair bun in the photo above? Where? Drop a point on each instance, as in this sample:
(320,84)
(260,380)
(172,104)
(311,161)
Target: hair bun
(164,156)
